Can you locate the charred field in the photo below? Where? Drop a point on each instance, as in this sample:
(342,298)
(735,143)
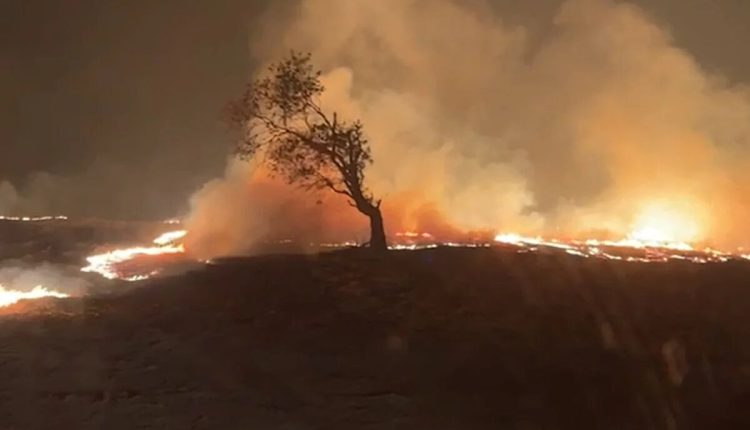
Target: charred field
(68,241)
(443,338)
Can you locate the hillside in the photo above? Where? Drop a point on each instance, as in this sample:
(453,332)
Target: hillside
(447,338)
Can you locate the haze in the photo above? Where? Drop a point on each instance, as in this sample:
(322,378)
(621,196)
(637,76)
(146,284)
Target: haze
(542,117)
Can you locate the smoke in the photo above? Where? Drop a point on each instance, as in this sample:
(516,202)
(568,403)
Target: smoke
(20,276)
(42,195)
(104,189)
(8,197)
(247,209)
(603,122)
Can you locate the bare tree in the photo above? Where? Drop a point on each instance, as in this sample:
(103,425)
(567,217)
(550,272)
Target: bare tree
(282,121)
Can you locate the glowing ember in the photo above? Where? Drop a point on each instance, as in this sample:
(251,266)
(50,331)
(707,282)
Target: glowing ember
(629,249)
(107,264)
(660,232)
(411,246)
(647,243)
(414,235)
(34,219)
(640,244)
(510,239)
(9,297)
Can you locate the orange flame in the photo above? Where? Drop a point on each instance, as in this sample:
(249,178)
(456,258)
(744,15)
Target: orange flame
(106,264)
(9,297)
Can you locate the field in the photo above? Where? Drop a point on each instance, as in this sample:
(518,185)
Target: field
(446,338)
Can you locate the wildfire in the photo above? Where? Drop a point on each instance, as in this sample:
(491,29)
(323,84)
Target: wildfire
(9,297)
(108,264)
(662,231)
(629,249)
(658,234)
(661,225)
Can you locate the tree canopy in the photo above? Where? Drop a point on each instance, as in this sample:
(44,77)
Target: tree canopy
(282,121)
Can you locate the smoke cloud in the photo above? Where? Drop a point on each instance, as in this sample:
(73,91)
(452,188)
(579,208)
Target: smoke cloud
(601,125)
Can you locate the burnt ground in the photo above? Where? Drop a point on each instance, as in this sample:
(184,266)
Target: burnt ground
(436,339)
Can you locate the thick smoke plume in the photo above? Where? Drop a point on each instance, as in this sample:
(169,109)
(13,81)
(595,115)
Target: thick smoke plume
(474,128)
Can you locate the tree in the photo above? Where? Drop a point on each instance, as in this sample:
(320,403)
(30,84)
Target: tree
(282,121)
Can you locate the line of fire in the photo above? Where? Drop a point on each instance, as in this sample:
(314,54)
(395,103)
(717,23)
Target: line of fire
(375,214)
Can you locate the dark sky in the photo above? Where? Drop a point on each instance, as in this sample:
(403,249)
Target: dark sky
(125,92)
(123,98)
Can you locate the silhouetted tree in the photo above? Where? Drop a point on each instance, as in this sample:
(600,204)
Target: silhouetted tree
(282,121)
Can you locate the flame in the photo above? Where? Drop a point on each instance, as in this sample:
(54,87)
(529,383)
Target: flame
(661,224)
(106,264)
(652,240)
(652,249)
(170,237)
(413,235)
(9,297)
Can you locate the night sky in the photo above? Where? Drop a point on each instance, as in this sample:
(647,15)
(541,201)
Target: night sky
(121,100)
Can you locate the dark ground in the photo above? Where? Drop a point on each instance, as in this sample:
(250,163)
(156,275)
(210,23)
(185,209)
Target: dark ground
(436,339)
(68,242)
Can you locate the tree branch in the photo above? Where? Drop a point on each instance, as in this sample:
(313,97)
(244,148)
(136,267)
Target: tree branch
(330,185)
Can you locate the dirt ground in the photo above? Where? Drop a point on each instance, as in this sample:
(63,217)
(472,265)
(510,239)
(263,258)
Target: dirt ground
(435,339)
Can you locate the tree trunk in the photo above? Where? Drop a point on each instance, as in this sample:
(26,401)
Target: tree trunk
(377,231)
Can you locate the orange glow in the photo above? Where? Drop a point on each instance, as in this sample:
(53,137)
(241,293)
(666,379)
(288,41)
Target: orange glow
(106,264)
(629,249)
(660,224)
(9,297)
(170,237)
(660,234)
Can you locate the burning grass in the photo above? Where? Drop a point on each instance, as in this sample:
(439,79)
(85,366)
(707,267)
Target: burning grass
(129,263)
(142,262)
(483,338)
(166,252)
(9,297)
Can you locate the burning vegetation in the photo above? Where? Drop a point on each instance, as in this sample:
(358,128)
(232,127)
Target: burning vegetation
(132,264)
(651,241)
(10,297)
(283,122)
(557,225)
(140,263)
(606,130)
